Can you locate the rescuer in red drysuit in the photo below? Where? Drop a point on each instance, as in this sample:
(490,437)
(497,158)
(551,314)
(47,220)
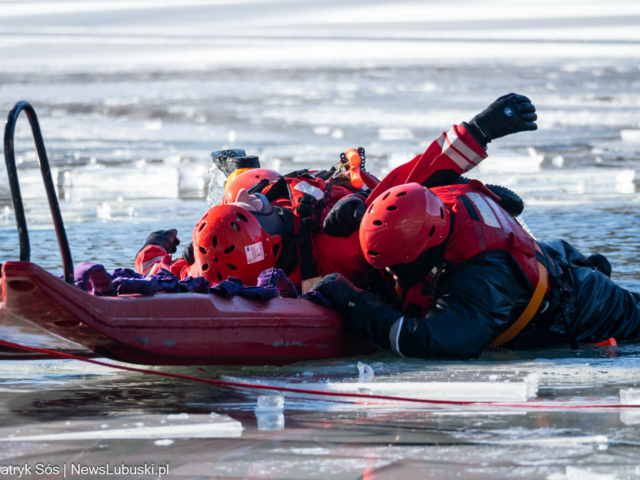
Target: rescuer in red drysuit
(320,231)
(307,250)
(469,277)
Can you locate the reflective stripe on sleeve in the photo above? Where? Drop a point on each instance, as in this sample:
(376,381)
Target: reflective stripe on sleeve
(146,265)
(453,154)
(455,142)
(394,337)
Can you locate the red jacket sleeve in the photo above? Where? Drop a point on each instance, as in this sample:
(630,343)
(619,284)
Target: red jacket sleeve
(153,257)
(449,156)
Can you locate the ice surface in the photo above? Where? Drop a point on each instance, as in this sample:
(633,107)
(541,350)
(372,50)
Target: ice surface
(389,133)
(549,187)
(575,473)
(630,396)
(146,180)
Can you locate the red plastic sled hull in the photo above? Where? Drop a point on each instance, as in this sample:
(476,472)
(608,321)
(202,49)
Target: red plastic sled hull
(178,329)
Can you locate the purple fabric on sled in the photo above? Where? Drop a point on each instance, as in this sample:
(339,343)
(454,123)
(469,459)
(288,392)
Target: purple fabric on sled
(129,281)
(167,281)
(277,278)
(259,293)
(194,284)
(92,278)
(228,288)
(271,283)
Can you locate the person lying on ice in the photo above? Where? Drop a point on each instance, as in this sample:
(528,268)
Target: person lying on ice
(320,233)
(469,277)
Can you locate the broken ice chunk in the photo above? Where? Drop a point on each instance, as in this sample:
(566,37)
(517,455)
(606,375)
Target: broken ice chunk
(630,417)
(178,416)
(631,136)
(270,403)
(365,371)
(630,396)
(270,421)
(156,427)
(163,443)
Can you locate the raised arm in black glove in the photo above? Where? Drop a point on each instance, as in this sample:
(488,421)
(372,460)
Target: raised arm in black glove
(345,216)
(167,239)
(365,314)
(509,114)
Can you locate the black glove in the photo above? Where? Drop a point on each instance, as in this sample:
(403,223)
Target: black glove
(365,314)
(339,291)
(345,216)
(167,239)
(188,255)
(509,114)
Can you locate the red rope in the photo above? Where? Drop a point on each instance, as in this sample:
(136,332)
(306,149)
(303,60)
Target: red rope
(222,383)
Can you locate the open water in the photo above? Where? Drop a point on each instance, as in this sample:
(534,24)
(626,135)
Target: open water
(132,98)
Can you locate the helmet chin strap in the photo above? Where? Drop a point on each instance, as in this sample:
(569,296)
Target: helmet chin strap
(407,274)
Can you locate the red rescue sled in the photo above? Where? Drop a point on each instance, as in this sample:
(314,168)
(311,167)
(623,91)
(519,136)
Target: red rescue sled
(178,329)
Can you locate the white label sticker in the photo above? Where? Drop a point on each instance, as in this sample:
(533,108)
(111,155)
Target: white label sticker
(305,187)
(254,252)
(485,210)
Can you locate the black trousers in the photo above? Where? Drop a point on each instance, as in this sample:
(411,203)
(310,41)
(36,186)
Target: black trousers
(598,309)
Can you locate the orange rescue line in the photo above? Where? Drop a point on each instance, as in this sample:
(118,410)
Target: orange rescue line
(251,386)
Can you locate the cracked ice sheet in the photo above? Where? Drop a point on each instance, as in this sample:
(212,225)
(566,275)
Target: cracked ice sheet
(128,427)
(516,389)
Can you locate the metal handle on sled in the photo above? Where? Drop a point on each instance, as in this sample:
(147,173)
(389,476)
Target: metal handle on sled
(14,185)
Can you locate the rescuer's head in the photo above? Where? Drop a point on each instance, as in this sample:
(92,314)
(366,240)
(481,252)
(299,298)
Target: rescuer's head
(229,242)
(401,224)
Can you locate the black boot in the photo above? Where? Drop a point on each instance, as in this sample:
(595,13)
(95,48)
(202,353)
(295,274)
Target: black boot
(228,161)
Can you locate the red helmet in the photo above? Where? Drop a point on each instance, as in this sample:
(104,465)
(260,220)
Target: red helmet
(229,242)
(247,180)
(401,224)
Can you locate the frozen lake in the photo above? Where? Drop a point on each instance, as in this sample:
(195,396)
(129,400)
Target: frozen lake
(132,98)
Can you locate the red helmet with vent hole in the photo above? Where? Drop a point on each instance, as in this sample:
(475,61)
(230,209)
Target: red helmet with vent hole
(247,180)
(229,242)
(401,224)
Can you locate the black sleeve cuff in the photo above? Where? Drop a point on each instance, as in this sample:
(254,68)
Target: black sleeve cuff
(477,133)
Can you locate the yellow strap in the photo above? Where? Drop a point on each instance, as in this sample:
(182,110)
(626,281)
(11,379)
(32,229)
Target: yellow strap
(529,312)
